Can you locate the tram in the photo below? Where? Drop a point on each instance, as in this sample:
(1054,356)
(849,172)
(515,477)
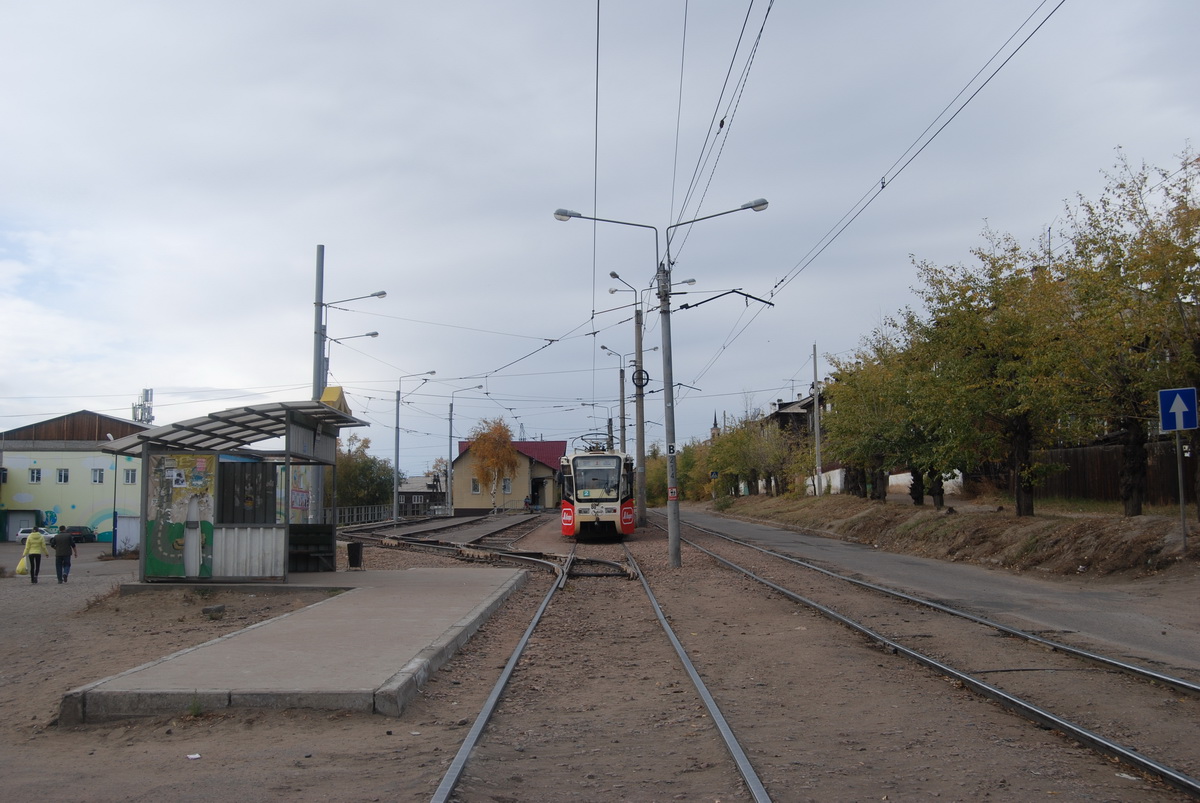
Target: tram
(597,492)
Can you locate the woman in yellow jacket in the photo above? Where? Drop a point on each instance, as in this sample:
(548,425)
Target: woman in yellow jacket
(35,547)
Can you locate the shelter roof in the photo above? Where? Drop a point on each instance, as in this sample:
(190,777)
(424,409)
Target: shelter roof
(236,428)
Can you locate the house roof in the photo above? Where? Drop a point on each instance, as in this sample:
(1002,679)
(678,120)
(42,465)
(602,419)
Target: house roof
(83,425)
(235,428)
(545,452)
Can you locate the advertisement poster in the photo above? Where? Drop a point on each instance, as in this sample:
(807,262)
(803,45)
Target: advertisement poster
(299,492)
(179,518)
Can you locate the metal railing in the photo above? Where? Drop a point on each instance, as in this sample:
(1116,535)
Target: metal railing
(363,514)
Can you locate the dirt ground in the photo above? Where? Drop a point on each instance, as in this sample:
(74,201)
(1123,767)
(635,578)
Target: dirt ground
(878,733)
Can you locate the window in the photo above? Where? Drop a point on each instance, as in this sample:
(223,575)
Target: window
(3,475)
(35,476)
(97,476)
(417,499)
(64,476)
(131,476)
(474,485)
(507,486)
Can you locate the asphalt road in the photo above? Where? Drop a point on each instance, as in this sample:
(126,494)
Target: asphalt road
(1155,619)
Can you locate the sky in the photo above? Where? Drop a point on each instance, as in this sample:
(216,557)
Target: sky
(169,170)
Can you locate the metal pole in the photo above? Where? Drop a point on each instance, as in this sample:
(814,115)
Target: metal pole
(319,328)
(396,463)
(450,464)
(1182,502)
(640,413)
(622,404)
(816,422)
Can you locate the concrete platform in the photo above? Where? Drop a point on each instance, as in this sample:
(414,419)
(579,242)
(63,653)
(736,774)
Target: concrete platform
(369,649)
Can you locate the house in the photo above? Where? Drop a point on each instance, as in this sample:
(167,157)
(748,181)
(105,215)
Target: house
(53,473)
(535,478)
(421,496)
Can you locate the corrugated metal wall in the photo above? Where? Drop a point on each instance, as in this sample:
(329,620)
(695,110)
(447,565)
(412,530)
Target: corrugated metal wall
(249,552)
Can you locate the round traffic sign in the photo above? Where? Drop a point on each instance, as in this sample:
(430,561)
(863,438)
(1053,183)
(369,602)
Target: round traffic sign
(641,377)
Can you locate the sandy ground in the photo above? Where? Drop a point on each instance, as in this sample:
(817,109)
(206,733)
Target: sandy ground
(599,710)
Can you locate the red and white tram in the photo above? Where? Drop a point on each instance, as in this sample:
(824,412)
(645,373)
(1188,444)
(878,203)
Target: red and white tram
(597,493)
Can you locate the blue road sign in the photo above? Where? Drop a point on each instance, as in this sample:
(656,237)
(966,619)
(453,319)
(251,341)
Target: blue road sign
(1177,409)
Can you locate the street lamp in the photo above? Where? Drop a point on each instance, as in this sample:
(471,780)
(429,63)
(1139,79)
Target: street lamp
(396,462)
(664,297)
(663,276)
(450,460)
(640,377)
(331,340)
(320,314)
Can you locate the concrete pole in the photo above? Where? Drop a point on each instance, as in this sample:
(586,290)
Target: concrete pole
(664,308)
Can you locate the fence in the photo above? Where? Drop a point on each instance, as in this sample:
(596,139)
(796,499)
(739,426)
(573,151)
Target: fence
(1093,472)
(364,514)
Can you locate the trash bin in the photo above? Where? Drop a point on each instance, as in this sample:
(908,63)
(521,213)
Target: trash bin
(354,555)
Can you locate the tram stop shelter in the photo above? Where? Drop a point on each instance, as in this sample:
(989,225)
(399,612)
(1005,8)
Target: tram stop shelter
(215,510)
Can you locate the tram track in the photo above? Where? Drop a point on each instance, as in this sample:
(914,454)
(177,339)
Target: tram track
(637,647)
(1101,702)
(598,706)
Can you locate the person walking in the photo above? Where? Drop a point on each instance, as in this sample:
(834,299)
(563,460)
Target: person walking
(35,547)
(64,550)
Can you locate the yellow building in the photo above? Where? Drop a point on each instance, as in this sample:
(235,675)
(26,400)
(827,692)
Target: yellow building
(535,479)
(53,474)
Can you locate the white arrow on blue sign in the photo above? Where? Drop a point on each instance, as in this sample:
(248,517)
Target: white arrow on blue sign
(1177,409)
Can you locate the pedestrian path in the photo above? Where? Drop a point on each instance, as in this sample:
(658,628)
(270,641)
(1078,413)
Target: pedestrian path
(368,649)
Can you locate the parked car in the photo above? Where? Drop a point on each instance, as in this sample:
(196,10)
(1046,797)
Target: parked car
(24,533)
(79,534)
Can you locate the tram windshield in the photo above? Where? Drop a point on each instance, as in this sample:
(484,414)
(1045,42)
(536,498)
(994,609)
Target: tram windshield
(598,477)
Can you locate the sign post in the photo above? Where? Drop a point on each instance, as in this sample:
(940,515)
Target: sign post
(1177,411)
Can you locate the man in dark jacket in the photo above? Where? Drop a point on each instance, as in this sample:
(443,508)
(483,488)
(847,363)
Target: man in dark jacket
(64,550)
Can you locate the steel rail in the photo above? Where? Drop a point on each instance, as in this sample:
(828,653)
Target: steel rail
(1011,702)
(1179,684)
(458,764)
(753,783)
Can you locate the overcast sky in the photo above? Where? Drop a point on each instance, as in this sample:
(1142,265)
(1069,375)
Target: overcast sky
(169,169)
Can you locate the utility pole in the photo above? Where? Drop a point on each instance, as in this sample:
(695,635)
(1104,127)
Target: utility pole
(816,422)
(639,411)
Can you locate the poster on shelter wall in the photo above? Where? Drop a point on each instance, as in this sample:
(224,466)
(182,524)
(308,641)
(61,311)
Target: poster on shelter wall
(295,496)
(179,515)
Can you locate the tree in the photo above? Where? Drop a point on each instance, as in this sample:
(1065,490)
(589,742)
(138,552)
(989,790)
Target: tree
(870,427)
(362,479)
(994,339)
(656,475)
(1132,270)
(494,455)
